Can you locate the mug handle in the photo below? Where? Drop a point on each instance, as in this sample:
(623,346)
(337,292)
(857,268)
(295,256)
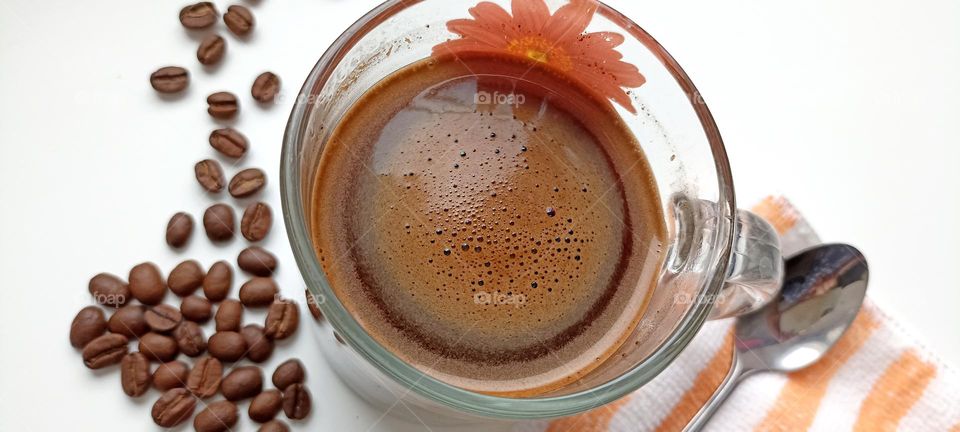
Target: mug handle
(755,271)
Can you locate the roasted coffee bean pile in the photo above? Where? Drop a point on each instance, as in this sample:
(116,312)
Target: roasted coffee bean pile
(167,337)
(161,344)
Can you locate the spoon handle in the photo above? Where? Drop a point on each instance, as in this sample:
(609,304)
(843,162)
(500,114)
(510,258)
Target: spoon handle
(700,420)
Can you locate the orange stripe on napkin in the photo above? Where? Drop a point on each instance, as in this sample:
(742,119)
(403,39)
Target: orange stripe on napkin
(777,211)
(955,428)
(596,420)
(707,381)
(892,396)
(799,400)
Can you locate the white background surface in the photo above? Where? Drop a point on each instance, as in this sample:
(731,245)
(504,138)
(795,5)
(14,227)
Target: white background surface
(849,108)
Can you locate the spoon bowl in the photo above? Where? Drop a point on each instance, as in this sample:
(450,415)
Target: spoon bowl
(823,291)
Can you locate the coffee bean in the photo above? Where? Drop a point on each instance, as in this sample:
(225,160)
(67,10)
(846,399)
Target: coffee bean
(222,105)
(196,309)
(256,222)
(106,350)
(314,306)
(229,142)
(204,379)
(129,321)
(227,346)
(296,402)
(179,229)
(259,348)
(147,284)
(190,338)
(266,406)
(210,175)
(219,416)
(259,291)
(229,316)
(88,325)
(171,375)
(198,15)
(216,285)
(257,260)
(135,375)
(274,426)
(265,87)
(185,278)
(163,318)
(288,373)
(239,20)
(247,182)
(282,320)
(170,79)
(173,408)
(219,223)
(211,50)
(242,383)
(109,290)
(159,347)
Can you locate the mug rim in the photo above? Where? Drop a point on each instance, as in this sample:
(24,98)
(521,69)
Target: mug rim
(410,377)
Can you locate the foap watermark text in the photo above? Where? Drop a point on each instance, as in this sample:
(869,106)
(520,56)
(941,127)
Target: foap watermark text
(497,98)
(499,299)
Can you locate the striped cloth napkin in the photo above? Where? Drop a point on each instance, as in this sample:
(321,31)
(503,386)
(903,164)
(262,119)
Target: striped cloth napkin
(875,379)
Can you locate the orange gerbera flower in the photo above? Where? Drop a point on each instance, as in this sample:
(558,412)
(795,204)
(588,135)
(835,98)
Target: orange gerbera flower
(556,41)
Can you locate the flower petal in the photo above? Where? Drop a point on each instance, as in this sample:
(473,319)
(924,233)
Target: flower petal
(600,40)
(607,89)
(483,32)
(569,21)
(492,16)
(529,16)
(596,51)
(458,47)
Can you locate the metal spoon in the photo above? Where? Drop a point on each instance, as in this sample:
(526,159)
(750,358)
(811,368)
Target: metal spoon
(822,293)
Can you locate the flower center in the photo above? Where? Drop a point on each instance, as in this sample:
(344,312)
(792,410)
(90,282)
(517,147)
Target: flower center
(541,50)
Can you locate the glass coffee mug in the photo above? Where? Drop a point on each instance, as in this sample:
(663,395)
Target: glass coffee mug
(719,262)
